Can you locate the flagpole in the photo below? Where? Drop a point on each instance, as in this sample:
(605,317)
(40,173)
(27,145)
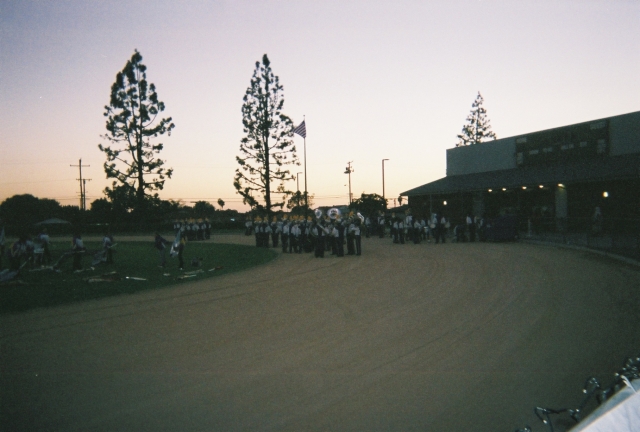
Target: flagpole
(306,195)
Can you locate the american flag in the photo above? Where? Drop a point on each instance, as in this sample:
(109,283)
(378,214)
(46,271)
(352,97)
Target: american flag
(301,130)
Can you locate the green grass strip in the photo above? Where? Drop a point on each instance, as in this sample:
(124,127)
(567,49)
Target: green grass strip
(34,289)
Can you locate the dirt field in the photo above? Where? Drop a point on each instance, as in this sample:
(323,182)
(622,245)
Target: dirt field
(454,337)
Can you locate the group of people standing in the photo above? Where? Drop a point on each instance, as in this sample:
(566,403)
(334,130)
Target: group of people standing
(193,229)
(406,227)
(297,234)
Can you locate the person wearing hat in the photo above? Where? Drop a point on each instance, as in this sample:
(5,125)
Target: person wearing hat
(256,230)
(266,232)
(294,236)
(341,228)
(284,235)
(319,232)
(276,229)
(351,240)
(357,236)
(417,235)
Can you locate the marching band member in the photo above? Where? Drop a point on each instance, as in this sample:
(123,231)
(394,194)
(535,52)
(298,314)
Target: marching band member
(351,247)
(341,228)
(256,230)
(284,234)
(320,233)
(417,231)
(266,230)
(275,231)
(381,223)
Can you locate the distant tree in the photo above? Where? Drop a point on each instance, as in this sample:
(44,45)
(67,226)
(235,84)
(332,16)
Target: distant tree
(101,210)
(221,203)
(297,204)
(477,128)
(267,146)
(203,209)
(132,122)
(25,210)
(369,204)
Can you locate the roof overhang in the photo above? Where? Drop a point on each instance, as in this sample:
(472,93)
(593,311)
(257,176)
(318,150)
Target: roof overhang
(582,171)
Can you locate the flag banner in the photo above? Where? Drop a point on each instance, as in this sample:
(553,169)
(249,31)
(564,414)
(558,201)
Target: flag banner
(301,130)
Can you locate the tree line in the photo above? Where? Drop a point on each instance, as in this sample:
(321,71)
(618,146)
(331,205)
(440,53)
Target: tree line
(20,213)
(132,145)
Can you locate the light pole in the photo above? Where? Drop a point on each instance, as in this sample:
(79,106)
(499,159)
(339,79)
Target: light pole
(383,196)
(298,180)
(349,170)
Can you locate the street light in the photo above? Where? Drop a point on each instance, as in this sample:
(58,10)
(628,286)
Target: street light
(385,200)
(349,170)
(298,180)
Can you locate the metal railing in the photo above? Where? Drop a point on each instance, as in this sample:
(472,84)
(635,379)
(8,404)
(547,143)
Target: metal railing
(623,377)
(617,235)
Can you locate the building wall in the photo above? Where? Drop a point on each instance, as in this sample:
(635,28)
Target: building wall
(624,133)
(488,156)
(624,138)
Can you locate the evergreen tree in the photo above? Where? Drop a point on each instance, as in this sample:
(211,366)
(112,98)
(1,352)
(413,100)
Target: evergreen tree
(478,128)
(369,204)
(267,146)
(300,202)
(132,122)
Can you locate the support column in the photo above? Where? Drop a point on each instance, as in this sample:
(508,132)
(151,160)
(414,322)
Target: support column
(561,208)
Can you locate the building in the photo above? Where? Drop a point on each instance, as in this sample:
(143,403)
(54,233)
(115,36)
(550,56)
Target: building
(553,178)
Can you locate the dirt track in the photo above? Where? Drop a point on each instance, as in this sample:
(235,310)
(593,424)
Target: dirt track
(417,337)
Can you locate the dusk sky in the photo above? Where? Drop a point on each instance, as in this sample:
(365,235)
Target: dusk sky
(374,79)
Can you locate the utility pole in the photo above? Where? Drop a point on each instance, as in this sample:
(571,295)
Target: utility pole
(349,170)
(84,193)
(82,183)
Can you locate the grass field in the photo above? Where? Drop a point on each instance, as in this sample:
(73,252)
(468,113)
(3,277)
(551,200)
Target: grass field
(34,289)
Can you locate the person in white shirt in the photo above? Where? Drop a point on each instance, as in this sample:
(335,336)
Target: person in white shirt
(319,233)
(357,235)
(107,243)
(284,236)
(381,223)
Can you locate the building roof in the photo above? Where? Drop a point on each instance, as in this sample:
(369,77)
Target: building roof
(580,171)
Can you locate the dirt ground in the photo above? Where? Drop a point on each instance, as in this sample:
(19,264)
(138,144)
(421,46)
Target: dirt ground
(454,337)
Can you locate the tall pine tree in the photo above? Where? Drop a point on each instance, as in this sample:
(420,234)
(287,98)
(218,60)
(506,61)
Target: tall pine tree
(132,123)
(477,129)
(267,146)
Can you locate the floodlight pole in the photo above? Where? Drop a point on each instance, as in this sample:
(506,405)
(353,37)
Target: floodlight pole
(383,195)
